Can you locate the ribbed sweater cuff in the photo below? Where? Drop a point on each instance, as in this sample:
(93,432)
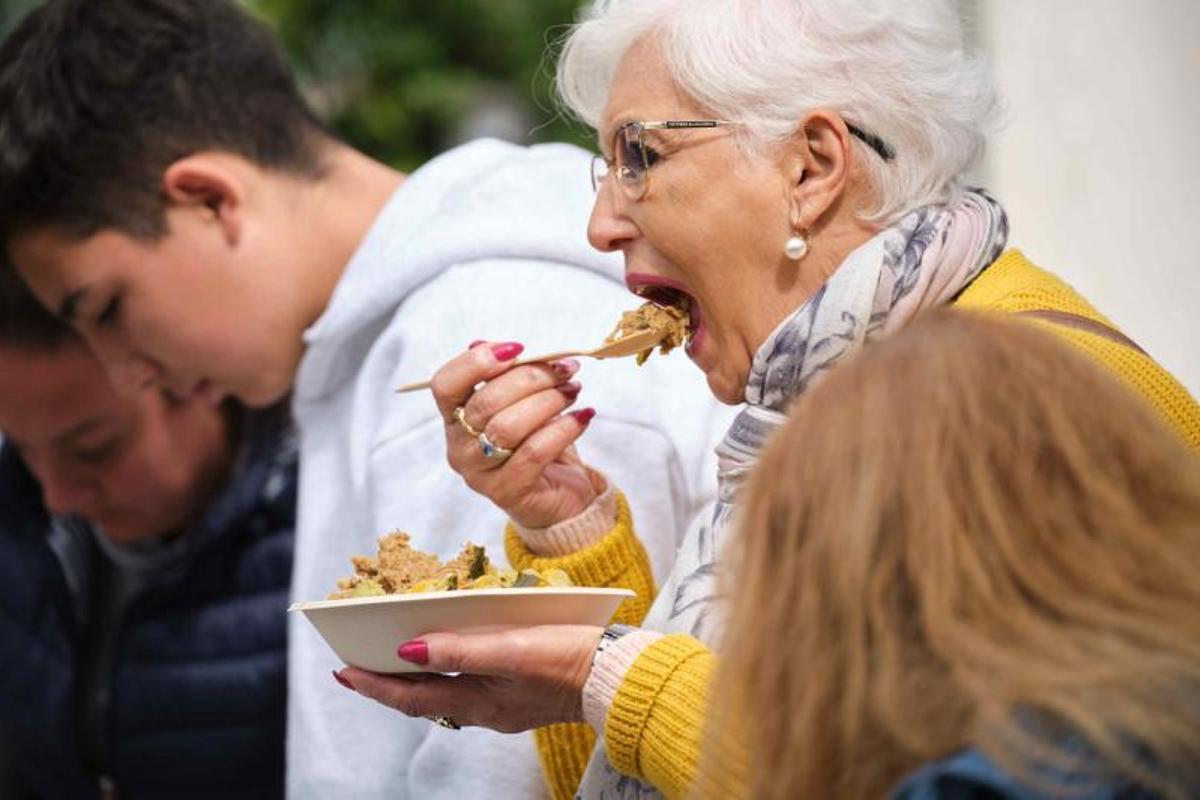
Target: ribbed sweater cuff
(608,671)
(599,564)
(639,694)
(578,532)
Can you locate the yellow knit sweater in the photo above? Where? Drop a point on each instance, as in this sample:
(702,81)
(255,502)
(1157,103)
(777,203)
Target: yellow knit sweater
(1013,285)
(654,727)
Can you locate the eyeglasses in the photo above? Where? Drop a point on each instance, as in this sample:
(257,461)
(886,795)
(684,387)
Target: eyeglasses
(632,159)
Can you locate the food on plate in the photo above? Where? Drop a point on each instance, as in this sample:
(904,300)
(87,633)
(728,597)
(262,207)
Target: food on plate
(400,569)
(671,320)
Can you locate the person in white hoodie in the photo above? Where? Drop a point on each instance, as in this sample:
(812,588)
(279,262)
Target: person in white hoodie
(165,189)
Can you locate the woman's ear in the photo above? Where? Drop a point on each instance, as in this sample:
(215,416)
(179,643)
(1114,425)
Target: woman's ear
(211,184)
(817,164)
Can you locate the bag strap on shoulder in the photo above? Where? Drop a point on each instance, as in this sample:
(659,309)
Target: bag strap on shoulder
(1081,323)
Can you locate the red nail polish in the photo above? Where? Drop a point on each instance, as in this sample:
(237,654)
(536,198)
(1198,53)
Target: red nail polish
(414,652)
(584,416)
(342,681)
(475,344)
(565,368)
(507,351)
(571,390)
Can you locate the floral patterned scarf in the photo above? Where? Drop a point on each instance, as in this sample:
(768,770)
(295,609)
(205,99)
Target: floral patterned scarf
(922,262)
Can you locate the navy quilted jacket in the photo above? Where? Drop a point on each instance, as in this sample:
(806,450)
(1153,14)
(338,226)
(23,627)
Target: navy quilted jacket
(191,700)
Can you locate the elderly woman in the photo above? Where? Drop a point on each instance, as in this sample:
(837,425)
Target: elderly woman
(793,172)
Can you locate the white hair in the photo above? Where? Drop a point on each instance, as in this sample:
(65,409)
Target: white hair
(897,69)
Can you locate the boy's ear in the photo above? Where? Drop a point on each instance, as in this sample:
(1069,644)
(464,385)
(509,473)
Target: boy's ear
(211,184)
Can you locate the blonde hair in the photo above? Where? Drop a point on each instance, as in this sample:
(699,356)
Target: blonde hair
(969,536)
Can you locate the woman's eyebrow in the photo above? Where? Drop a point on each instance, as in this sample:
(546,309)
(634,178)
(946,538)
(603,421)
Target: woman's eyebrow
(611,129)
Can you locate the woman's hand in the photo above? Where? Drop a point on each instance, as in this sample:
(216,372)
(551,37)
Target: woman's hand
(520,409)
(509,681)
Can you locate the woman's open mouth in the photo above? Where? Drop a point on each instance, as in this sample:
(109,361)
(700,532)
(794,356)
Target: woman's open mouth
(670,297)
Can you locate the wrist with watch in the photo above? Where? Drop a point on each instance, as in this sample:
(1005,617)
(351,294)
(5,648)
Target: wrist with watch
(609,636)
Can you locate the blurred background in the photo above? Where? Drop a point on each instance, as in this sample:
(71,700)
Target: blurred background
(406,79)
(1098,162)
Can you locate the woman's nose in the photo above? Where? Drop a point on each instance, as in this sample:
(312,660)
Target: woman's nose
(609,228)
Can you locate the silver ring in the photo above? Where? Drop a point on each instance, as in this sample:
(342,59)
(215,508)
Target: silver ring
(460,414)
(446,723)
(492,450)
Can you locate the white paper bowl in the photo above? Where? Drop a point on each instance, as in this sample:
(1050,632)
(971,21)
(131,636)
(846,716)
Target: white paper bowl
(365,631)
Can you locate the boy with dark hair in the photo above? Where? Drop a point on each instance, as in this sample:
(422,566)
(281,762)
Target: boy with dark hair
(166,191)
(145,556)
(85,153)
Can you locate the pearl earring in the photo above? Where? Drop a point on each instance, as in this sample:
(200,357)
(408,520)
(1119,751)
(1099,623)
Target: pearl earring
(796,247)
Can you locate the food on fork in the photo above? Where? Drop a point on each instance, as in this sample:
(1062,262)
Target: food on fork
(401,569)
(672,320)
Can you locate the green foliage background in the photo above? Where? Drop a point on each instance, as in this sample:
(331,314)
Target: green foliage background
(397,78)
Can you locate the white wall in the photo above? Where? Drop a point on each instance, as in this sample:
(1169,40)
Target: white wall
(1099,163)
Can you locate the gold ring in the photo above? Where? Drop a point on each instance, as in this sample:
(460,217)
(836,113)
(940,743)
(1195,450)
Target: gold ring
(446,723)
(460,414)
